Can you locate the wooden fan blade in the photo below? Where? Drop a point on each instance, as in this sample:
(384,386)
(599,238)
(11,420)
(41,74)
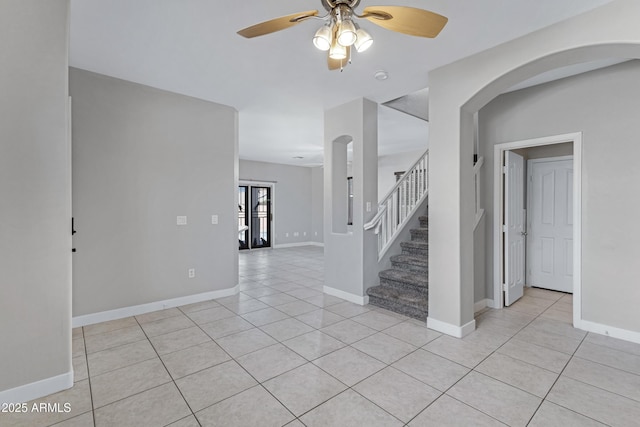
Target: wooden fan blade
(276,24)
(334,64)
(338,64)
(407,20)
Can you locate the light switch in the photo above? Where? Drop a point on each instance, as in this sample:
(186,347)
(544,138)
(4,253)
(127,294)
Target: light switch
(368,206)
(214,219)
(181,220)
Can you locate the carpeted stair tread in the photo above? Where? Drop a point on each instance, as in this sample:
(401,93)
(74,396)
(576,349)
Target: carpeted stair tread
(404,288)
(416,260)
(415,247)
(410,303)
(420,234)
(415,244)
(395,275)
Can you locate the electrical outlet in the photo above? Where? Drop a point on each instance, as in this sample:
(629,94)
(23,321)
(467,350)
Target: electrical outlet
(286,234)
(368,206)
(214,219)
(316,233)
(192,273)
(181,220)
(304,233)
(295,234)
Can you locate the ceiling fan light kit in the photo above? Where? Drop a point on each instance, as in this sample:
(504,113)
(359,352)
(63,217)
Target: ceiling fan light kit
(340,32)
(323,38)
(363,40)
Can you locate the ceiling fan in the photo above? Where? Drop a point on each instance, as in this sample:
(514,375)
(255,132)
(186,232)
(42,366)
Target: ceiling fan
(340,33)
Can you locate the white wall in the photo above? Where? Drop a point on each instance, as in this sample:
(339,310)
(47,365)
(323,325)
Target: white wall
(604,105)
(35,194)
(317,204)
(292,210)
(141,157)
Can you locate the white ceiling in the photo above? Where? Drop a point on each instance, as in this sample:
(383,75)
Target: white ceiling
(279,83)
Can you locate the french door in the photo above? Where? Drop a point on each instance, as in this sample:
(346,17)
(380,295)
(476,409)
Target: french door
(254,217)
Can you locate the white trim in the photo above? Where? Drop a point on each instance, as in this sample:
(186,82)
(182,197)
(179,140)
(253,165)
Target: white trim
(610,331)
(498,189)
(257,183)
(449,329)
(294,245)
(134,310)
(356,299)
(577,230)
(38,389)
(482,304)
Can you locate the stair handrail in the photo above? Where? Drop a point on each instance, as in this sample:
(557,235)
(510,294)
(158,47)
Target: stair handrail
(399,203)
(375,221)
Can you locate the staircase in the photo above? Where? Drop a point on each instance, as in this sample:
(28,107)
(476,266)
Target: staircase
(404,287)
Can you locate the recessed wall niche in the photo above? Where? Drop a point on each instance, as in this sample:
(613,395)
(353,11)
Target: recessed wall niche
(340,207)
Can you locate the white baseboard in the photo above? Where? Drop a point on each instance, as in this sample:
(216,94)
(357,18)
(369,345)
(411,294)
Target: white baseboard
(295,245)
(449,329)
(482,304)
(119,313)
(356,299)
(610,331)
(38,389)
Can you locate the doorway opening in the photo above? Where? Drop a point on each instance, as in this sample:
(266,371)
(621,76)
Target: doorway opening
(255,216)
(512,221)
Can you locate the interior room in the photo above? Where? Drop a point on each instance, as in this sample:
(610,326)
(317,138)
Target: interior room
(325,213)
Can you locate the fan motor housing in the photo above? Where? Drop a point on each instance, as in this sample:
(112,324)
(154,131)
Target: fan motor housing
(329,5)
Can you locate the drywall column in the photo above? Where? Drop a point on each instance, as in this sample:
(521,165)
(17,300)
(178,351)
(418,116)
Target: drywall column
(451,217)
(351,255)
(35,211)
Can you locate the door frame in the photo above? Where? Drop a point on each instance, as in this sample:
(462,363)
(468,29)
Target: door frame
(498,217)
(529,202)
(272,185)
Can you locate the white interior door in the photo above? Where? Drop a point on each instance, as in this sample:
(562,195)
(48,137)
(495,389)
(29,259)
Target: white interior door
(550,243)
(514,228)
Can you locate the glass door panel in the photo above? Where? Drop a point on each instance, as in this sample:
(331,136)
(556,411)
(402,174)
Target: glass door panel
(243,218)
(254,217)
(260,217)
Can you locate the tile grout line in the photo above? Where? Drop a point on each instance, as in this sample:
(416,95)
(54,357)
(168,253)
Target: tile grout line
(478,364)
(170,376)
(86,355)
(555,382)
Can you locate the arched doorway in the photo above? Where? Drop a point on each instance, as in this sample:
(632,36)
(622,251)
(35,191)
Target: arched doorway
(457,92)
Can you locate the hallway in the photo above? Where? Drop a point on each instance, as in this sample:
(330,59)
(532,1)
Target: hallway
(282,353)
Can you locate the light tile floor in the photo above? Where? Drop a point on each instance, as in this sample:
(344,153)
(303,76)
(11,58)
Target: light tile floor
(283,353)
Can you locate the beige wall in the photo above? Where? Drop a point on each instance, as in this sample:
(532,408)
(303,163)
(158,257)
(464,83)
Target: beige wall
(141,157)
(35,189)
